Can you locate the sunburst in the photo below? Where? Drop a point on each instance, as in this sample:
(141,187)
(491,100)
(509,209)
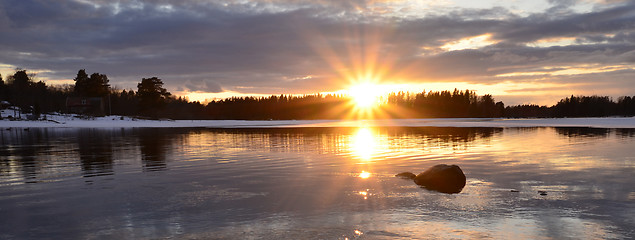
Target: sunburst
(365,95)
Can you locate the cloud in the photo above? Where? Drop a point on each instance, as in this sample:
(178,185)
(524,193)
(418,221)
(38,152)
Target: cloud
(272,46)
(203,86)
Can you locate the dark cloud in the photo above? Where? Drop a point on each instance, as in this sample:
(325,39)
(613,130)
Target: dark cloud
(548,25)
(274,45)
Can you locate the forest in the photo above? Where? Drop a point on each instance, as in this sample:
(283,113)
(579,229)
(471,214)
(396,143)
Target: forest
(151,100)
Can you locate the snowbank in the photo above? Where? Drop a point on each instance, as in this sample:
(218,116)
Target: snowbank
(72,121)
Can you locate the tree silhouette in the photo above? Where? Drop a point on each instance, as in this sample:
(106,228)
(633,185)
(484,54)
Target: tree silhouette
(94,86)
(81,82)
(593,106)
(25,93)
(626,105)
(3,89)
(152,96)
(124,103)
(527,111)
(20,80)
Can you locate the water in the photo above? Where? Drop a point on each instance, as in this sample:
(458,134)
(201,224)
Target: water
(315,183)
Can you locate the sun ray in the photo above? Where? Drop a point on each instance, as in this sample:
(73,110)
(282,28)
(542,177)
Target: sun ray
(365,68)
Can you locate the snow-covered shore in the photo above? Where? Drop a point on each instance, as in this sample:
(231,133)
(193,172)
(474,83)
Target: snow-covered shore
(70,121)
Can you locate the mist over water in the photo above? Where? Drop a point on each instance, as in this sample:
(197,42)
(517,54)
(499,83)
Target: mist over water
(329,183)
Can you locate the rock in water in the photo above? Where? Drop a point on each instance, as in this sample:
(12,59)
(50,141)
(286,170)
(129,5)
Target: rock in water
(442,178)
(406,175)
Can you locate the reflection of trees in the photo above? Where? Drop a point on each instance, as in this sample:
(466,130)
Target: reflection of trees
(625,132)
(25,156)
(22,148)
(153,144)
(596,132)
(338,139)
(573,132)
(95,152)
(445,134)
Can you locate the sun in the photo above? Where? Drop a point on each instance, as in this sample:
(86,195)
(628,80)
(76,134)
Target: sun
(365,95)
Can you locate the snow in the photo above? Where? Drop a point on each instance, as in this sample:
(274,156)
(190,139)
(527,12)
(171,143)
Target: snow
(74,121)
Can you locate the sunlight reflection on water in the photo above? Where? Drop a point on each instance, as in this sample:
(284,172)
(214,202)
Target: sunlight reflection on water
(363,144)
(364,174)
(329,183)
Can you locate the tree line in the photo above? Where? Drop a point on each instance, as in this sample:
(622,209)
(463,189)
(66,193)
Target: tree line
(152,100)
(577,106)
(446,104)
(338,106)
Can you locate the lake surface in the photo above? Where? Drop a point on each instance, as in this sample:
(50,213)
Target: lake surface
(315,183)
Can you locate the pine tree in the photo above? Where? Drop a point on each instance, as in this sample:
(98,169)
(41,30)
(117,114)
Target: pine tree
(152,96)
(81,82)
(94,86)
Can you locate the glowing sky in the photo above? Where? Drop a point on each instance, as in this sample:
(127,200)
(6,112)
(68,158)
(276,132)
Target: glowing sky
(518,51)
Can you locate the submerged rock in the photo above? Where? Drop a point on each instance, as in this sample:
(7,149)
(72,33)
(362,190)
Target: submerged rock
(441,178)
(406,175)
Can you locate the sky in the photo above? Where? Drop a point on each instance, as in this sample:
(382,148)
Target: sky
(521,52)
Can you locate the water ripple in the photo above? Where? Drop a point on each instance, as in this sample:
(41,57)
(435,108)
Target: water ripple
(331,183)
